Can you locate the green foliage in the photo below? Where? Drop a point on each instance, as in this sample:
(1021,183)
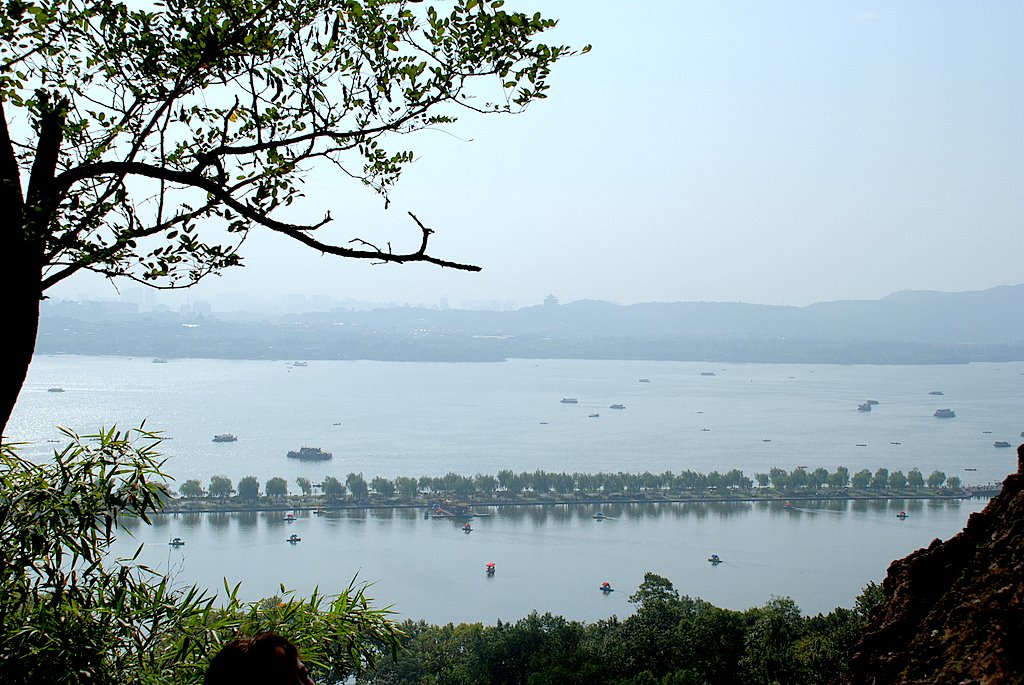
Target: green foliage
(861,479)
(897,480)
(817,478)
(798,478)
(406,486)
(840,478)
(383,487)
(332,488)
(220,486)
(770,643)
(670,640)
(357,486)
(654,589)
(880,480)
(191,488)
(779,478)
(915,479)
(936,479)
(871,596)
(249,488)
(540,483)
(276,487)
(71,613)
(220,109)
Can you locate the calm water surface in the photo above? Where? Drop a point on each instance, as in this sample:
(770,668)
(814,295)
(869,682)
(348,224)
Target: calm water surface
(390,419)
(553,558)
(417,419)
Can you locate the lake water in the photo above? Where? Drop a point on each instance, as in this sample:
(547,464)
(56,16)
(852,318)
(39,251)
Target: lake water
(553,558)
(418,419)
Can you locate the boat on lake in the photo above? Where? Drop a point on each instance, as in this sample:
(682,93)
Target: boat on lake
(707,373)
(310,454)
(617,406)
(569,400)
(55,390)
(176,542)
(606,587)
(600,516)
(902,516)
(593,416)
(293,538)
(715,559)
(466,528)
(299,364)
(225,437)
(289,517)
(864,407)
(446,509)
(788,506)
(644,380)
(1000,443)
(936,392)
(871,402)
(158,360)
(944,414)
(489,568)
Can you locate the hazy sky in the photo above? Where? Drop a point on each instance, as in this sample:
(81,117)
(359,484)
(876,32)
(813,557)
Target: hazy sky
(781,152)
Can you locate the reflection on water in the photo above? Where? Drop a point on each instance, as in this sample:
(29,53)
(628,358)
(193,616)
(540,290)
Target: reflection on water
(220,519)
(550,558)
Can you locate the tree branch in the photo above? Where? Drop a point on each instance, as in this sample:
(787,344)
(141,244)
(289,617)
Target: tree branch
(297,232)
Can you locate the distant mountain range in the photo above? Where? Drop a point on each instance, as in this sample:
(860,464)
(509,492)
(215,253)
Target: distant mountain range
(905,327)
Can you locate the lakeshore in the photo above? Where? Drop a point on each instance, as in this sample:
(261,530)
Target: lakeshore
(321,504)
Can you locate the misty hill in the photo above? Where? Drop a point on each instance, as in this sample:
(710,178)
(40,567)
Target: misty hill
(906,327)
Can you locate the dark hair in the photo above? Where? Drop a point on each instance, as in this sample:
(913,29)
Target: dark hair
(266,659)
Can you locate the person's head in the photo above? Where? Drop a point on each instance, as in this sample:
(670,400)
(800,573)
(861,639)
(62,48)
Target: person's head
(266,659)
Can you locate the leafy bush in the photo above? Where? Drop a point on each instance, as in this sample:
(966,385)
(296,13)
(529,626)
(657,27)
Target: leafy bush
(71,613)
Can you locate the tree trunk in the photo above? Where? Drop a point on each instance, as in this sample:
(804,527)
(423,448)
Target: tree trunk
(22,244)
(21,324)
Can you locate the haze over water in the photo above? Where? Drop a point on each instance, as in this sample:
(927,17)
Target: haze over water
(414,419)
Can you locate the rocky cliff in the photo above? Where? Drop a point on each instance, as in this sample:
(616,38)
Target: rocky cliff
(954,612)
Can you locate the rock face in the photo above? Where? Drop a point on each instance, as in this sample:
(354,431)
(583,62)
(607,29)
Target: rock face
(954,613)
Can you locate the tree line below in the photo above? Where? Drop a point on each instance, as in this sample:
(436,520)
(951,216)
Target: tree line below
(669,640)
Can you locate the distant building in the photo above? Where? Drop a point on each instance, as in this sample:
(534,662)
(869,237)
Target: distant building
(202,308)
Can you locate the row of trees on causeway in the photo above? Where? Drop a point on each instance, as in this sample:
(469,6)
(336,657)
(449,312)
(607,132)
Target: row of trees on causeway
(539,483)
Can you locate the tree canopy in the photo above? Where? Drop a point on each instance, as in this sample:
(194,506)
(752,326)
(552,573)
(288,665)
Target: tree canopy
(152,140)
